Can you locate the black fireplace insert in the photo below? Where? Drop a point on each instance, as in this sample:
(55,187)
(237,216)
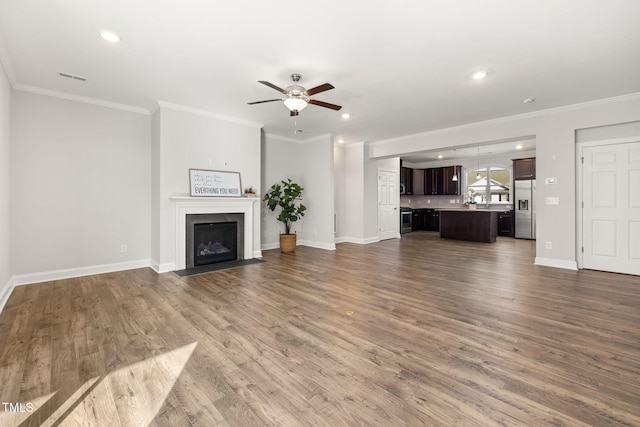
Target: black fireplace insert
(215,242)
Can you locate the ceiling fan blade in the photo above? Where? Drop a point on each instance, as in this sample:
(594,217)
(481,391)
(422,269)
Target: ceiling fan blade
(325,104)
(318,89)
(260,102)
(272,86)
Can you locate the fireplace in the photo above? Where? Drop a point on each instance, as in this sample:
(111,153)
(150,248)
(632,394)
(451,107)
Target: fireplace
(185,206)
(214,238)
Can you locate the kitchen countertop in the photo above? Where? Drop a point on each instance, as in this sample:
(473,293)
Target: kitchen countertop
(466,210)
(461,208)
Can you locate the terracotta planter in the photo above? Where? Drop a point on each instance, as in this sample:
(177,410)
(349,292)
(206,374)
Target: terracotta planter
(288,242)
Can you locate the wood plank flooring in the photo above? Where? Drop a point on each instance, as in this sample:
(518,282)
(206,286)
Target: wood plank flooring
(412,331)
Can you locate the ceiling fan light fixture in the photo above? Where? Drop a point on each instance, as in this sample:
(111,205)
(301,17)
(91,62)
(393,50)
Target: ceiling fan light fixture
(295,103)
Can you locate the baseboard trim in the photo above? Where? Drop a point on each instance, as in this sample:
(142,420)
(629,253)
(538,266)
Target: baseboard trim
(318,245)
(162,268)
(556,263)
(361,241)
(311,244)
(6,293)
(47,276)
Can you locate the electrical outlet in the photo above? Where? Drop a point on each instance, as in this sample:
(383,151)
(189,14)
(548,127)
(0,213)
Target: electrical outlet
(548,245)
(123,248)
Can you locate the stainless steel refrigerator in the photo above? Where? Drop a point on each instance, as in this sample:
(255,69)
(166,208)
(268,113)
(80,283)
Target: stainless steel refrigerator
(525,209)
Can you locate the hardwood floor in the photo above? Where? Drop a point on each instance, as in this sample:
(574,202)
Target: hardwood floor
(411,331)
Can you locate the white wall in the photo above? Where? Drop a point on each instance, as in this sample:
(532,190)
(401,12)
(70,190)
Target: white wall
(280,160)
(154,220)
(361,189)
(317,160)
(339,188)
(354,191)
(79,186)
(310,164)
(5,176)
(183,138)
(601,133)
(554,131)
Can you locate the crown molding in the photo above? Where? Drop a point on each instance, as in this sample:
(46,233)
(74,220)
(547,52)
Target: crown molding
(83,99)
(506,119)
(6,63)
(191,110)
(299,141)
(283,138)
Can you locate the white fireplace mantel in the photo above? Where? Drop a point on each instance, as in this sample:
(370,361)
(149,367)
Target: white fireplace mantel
(186,205)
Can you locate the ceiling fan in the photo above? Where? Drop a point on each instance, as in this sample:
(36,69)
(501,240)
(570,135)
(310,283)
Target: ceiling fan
(297,97)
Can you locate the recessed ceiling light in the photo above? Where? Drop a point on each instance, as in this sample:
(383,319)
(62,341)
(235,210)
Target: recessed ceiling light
(479,75)
(519,147)
(110,36)
(346,115)
(341,141)
(440,156)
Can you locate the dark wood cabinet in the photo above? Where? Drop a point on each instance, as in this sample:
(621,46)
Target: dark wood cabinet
(426,219)
(406,180)
(434,181)
(439,181)
(415,220)
(433,220)
(505,223)
(473,225)
(451,187)
(524,168)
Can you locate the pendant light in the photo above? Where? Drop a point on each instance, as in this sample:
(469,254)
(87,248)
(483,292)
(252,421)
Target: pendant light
(455,171)
(478,171)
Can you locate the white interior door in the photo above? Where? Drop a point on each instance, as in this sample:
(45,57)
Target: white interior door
(611,211)
(388,213)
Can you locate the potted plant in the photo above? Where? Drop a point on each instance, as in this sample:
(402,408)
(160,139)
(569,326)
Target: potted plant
(286,195)
(471,201)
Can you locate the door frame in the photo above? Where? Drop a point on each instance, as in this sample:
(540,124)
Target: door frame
(580,146)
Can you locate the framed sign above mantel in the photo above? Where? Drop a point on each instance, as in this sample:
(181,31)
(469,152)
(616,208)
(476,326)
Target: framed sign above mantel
(210,183)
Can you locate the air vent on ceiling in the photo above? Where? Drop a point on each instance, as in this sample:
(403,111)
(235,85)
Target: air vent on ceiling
(73,76)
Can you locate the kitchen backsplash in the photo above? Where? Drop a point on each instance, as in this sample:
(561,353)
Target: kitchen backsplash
(423,202)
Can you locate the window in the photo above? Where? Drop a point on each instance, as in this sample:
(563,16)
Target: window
(489,185)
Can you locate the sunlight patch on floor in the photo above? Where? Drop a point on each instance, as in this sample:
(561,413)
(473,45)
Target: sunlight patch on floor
(132,395)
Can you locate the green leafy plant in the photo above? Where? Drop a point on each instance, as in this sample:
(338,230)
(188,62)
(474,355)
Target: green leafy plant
(286,195)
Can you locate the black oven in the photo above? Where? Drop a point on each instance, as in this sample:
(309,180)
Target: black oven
(405,220)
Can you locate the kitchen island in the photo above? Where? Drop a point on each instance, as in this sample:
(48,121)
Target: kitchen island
(477,225)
